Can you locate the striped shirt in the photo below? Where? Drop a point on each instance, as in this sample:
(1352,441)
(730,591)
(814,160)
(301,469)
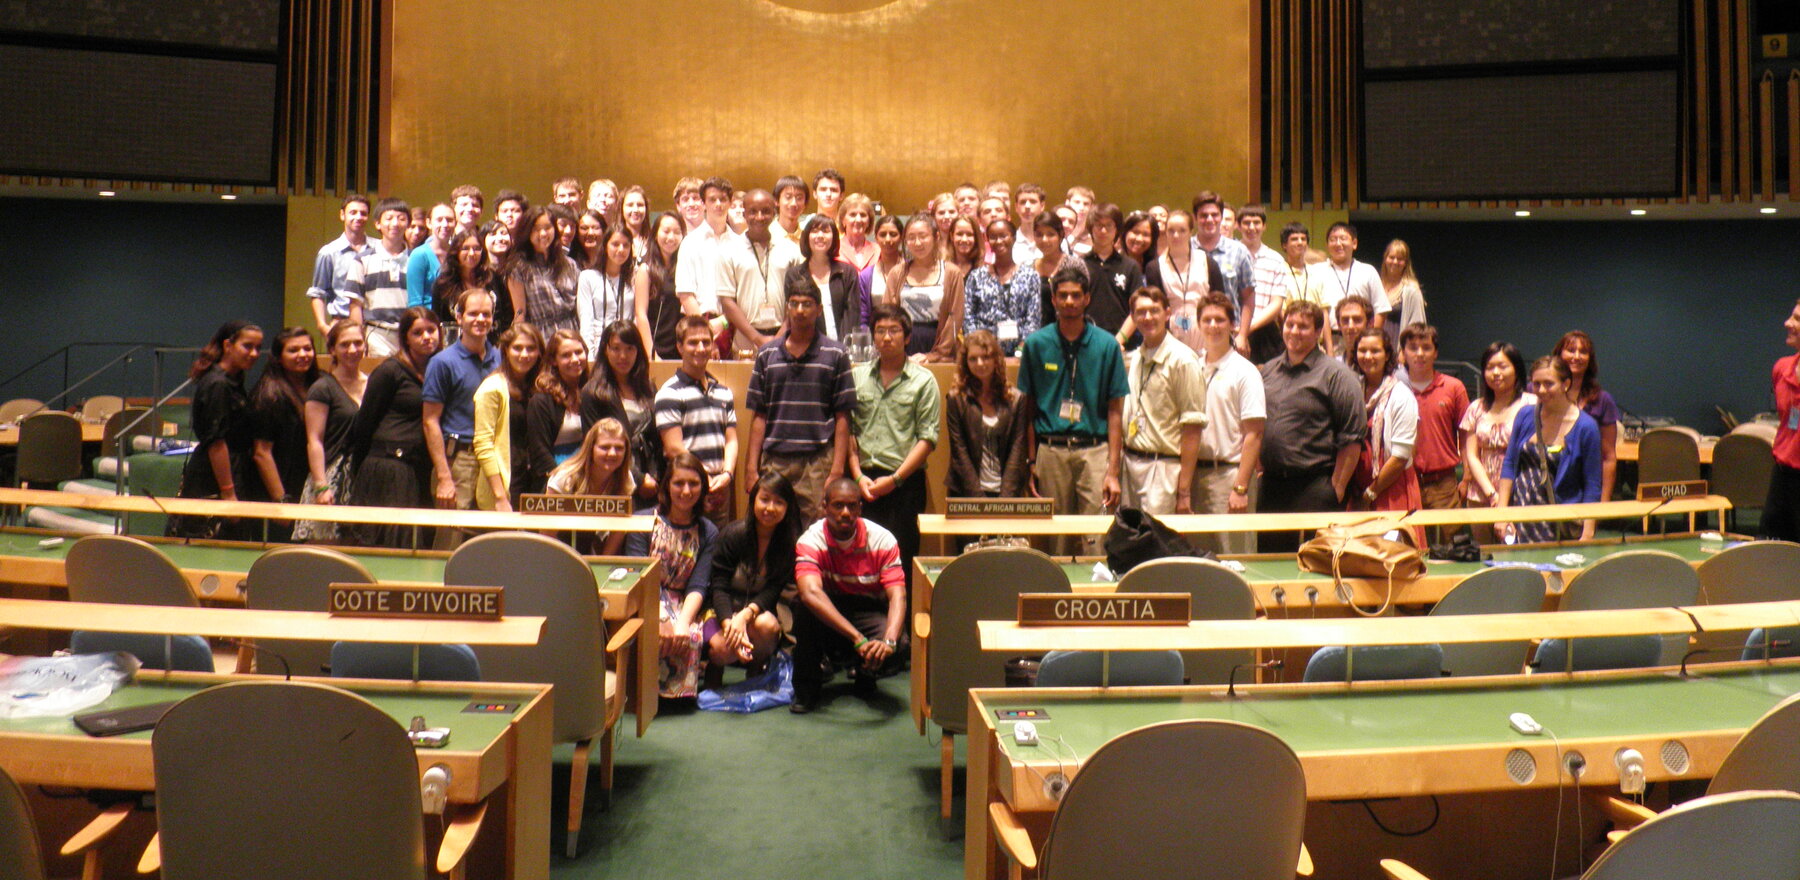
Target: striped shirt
(702,414)
(867,565)
(379,282)
(800,398)
(329,270)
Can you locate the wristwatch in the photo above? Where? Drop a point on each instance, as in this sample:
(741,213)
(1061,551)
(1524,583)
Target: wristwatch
(1240,490)
(890,643)
(1369,495)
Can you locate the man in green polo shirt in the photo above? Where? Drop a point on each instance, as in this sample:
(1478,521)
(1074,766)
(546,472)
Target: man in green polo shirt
(896,427)
(1074,375)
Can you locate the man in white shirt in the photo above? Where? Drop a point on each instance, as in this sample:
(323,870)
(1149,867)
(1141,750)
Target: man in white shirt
(334,262)
(750,275)
(1028,203)
(1273,283)
(376,285)
(1343,275)
(1163,414)
(1231,441)
(697,274)
(790,203)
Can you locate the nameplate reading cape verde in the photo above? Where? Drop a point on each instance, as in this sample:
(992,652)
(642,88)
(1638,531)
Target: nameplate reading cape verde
(1108,609)
(588,505)
(999,508)
(424,601)
(1664,491)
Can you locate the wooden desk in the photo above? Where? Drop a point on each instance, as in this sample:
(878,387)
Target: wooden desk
(243,623)
(1385,739)
(91,432)
(486,753)
(1628,449)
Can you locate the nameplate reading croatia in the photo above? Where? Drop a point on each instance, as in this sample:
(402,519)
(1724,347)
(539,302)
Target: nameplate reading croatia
(999,508)
(421,601)
(1665,491)
(1113,609)
(587,505)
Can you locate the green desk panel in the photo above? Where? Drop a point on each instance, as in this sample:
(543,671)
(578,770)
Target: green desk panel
(1416,718)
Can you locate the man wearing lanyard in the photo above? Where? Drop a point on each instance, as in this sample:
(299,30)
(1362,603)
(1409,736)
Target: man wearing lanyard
(1163,414)
(750,278)
(1231,440)
(449,410)
(1233,259)
(1074,375)
(1343,275)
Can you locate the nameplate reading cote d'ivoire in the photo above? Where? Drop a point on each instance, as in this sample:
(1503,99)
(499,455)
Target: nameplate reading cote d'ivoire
(999,508)
(587,505)
(1666,491)
(424,601)
(1110,609)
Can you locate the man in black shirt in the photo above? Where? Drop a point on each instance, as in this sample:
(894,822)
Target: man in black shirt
(1112,276)
(1313,436)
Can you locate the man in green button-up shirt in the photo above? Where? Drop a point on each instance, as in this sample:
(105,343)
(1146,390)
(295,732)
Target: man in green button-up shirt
(896,427)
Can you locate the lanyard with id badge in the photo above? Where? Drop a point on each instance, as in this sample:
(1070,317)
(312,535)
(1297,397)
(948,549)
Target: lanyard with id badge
(1070,409)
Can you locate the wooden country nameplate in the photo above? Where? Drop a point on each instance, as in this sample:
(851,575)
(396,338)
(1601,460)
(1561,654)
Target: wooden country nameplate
(416,601)
(1665,491)
(1104,609)
(999,508)
(588,505)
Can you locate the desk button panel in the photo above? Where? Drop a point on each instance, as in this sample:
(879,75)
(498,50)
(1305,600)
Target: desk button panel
(1521,767)
(1675,757)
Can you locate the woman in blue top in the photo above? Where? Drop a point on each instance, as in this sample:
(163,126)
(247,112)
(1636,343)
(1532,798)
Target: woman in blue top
(1576,349)
(682,540)
(1554,455)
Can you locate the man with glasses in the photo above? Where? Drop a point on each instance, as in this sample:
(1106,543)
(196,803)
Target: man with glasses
(896,427)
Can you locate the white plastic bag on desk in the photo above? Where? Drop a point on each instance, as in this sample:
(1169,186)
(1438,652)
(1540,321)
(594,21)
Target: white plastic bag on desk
(41,687)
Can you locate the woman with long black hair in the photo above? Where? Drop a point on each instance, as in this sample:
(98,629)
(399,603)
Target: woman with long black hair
(278,424)
(753,562)
(222,425)
(653,286)
(387,440)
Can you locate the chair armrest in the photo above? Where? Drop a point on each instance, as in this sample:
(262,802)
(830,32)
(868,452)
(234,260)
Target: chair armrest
(1623,813)
(623,636)
(246,658)
(151,861)
(98,830)
(921,625)
(1013,837)
(1399,870)
(461,827)
(1305,867)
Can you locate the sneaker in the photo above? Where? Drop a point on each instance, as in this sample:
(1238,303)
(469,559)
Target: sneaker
(863,683)
(801,707)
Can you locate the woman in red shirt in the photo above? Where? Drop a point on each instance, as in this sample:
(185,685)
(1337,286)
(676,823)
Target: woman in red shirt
(1781,512)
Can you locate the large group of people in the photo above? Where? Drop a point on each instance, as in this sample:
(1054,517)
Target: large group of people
(1167,360)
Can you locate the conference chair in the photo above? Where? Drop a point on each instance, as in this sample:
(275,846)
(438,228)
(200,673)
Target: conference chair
(17,408)
(295,578)
(1755,571)
(317,782)
(19,855)
(1374,663)
(429,662)
(1110,669)
(100,407)
(1741,468)
(1218,594)
(1497,590)
(122,570)
(1745,835)
(544,577)
(49,448)
(119,430)
(947,658)
(1192,799)
(1668,455)
(1632,579)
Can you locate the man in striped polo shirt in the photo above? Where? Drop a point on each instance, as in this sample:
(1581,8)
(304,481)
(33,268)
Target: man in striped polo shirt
(852,598)
(801,395)
(694,414)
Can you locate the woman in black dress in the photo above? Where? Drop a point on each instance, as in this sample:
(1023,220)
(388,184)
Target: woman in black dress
(387,440)
(653,286)
(278,424)
(331,405)
(221,417)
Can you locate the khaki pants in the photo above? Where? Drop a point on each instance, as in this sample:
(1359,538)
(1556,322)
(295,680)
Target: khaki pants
(1440,493)
(807,473)
(1074,479)
(1148,483)
(1212,494)
(465,473)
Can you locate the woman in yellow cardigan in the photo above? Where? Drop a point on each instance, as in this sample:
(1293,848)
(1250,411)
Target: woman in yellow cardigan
(499,404)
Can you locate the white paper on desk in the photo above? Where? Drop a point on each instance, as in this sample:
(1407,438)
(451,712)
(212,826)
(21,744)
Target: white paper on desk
(50,687)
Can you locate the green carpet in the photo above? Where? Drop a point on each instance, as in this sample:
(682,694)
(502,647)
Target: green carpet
(849,790)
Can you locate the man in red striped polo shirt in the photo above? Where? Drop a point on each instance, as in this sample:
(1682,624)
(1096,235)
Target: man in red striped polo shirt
(852,598)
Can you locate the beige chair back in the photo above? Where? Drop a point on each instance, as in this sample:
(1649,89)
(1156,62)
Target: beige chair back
(285,781)
(979,585)
(1756,571)
(18,408)
(49,448)
(1192,799)
(297,579)
(110,438)
(1218,594)
(100,407)
(20,858)
(1499,590)
(1765,430)
(1741,468)
(543,577)
(125,571)
(1666,455)
(1749,835)
(1766,758)
(1637,579)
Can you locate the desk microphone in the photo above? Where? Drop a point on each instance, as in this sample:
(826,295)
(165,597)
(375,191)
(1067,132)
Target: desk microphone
(1231,685)
(1767,646)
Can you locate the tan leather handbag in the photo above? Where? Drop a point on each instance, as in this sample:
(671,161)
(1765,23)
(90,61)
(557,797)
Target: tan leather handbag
(1363,550)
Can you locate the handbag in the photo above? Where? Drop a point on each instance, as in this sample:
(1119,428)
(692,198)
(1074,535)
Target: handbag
(1136,537)
(1363,549)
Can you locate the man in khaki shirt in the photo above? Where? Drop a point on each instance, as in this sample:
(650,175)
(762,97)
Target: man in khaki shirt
(1164,413)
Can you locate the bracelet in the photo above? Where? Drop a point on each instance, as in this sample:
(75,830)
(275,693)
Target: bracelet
(860,641)
(320,490)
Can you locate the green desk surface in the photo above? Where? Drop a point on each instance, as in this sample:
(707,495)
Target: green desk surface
(468,732)
(222,557)
(1418,717)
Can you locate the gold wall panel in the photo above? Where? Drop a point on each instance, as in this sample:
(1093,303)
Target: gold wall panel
(1147,101)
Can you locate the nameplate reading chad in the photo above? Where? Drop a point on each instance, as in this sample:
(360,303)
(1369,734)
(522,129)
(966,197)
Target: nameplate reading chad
(1113,609)
(1664,491)
(588,505)
(1000,508)
(426,601)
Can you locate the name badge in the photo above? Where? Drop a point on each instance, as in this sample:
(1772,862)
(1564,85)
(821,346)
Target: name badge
(1794,419)
(1007,331)
(1070,410)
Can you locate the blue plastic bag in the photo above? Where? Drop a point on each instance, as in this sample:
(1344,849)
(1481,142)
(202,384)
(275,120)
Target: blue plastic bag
(771,689)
